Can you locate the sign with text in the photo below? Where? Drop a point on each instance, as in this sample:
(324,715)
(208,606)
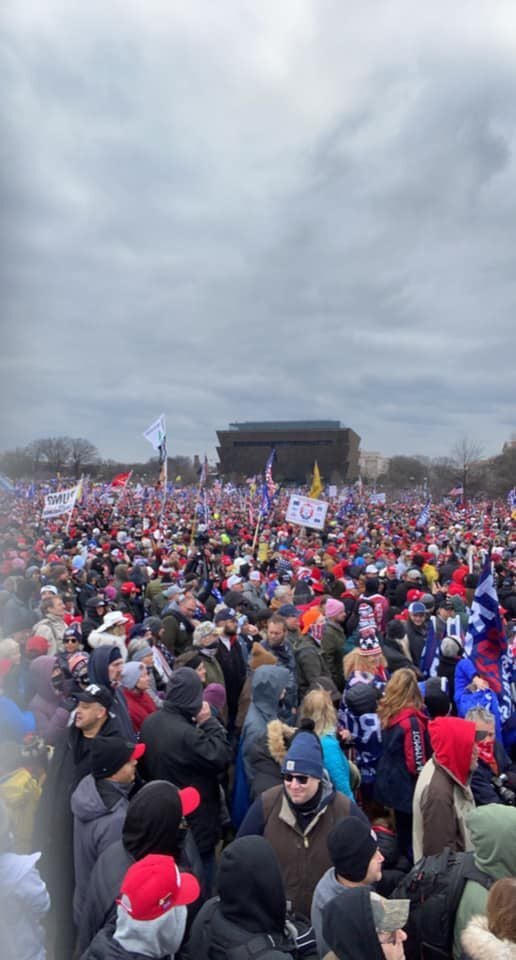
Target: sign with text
(61,502)
(306,512)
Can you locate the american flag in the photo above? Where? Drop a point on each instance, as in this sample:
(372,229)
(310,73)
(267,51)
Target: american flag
(511,498)
(268,486)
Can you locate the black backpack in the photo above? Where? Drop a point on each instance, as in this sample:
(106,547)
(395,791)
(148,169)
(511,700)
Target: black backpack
(434,887)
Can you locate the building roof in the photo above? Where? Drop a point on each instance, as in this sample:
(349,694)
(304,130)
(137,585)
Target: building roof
(283,425)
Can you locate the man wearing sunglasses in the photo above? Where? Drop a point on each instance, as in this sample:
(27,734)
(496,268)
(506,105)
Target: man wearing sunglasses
(297,817)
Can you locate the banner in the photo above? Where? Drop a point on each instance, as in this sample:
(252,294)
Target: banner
(58,503)
(377,499)
(306,512)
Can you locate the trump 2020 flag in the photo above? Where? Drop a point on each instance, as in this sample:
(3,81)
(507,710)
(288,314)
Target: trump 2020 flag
(268,485)
(486,643)
(424,516)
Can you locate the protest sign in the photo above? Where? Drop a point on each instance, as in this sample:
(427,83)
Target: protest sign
(61,502)
(306,512)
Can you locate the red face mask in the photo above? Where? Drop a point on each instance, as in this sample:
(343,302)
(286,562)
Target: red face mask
(486,753)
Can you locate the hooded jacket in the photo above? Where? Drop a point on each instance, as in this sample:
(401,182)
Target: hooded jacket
(251,901)
(131,939)
(186,754)
(96,825)
(49,711)
(150,826)
(24,901)
(480,944)
(98,672)
(443,797)
(493,835)
(327,888)
(348,926)
(267,685)
(406,748)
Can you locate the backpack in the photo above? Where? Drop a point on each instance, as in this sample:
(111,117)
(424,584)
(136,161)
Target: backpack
(434,887)
(298,942)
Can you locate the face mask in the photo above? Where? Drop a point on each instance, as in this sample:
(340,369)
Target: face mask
(57,682)
(486,752)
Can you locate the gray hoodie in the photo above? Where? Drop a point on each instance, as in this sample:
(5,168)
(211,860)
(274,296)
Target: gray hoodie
(95,826)
(267,686)
(327,888)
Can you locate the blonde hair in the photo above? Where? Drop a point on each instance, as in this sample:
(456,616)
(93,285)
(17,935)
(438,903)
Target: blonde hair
(401,691)
(356,661)
(317,706)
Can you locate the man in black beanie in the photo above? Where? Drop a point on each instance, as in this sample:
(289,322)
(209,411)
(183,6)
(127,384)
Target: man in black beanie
(357,862)
(99,805)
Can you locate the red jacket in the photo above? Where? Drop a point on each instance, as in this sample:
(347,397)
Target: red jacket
(139,705)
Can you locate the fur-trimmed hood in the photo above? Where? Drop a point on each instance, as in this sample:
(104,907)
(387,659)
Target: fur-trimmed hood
(480,944)
(279,736)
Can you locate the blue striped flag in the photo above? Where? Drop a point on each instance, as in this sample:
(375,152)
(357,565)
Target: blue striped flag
(486,643)
(268,485)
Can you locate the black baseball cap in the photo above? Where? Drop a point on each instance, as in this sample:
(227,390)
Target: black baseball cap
(96,693)
(109,754)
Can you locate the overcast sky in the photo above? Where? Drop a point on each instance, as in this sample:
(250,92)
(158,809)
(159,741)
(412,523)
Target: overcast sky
(281,209)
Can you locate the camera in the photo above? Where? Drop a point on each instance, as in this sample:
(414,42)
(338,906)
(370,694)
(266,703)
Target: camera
(506,795)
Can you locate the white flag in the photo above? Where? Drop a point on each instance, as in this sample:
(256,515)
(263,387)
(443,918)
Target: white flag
(61,502)
(157,432)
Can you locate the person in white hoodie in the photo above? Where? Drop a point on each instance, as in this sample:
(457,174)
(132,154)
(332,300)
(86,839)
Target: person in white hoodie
(24,900)
(151,913)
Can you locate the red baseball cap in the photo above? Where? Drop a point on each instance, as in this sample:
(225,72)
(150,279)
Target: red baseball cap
(153,886)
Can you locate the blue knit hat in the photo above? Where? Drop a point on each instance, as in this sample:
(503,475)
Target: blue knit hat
(304,756)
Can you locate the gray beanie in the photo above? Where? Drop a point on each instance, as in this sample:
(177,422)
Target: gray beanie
(138,656)
(131,673)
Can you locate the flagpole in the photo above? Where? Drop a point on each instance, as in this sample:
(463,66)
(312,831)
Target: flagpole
(255,538)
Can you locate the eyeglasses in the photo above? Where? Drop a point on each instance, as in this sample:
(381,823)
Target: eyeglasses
(300,777)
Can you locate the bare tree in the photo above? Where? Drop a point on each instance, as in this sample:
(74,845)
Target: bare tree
(56,451)
(465,455)
(36,453)
(82,454)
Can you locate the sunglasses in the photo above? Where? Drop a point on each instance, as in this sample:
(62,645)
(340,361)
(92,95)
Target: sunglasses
(300,777)
(482,735)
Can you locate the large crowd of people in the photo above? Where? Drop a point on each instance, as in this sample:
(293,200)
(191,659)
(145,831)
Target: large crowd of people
(223,738)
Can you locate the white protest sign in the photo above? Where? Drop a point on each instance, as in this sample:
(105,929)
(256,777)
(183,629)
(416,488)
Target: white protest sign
(306,512)
(332,491)
(58,503)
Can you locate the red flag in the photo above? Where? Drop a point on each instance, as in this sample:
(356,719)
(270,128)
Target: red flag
(120,480)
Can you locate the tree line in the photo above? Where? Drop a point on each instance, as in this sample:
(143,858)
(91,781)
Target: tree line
(47,457)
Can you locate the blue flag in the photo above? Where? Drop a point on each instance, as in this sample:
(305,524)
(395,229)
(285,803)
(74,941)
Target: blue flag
(486,642)
(424,516)
(268,485)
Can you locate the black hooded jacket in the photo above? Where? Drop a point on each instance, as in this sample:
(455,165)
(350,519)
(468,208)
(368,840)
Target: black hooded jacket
(348,926)
(186,754)
(251,901)
(98,672)
(151,826)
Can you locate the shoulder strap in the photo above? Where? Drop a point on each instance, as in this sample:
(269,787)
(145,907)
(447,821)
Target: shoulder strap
(472,872)
(254,948)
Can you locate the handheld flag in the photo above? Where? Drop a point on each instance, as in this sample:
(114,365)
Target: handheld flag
(268,485)
(486,643)
(424,516)
(120,480)
(316,488)
(6,485)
